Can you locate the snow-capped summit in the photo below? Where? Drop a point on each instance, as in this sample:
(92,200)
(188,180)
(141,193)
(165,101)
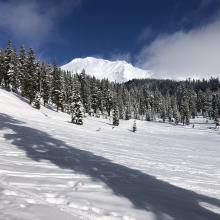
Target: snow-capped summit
(119,71)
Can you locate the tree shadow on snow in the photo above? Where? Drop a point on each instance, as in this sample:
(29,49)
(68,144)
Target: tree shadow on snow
(144,191)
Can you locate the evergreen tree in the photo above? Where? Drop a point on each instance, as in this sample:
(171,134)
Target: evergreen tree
(85,91)
(8,66)
(94,96)
(115,115)
(176,114)
(23,77)
(127,112)
(37,100)
(163,111)
(57,93)
(134,126)
(15,76)
(76,109)
(45,84)
(31,88)
(2,66)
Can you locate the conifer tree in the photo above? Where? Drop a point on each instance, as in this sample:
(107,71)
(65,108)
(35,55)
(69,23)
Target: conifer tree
(108,101)
(8,63)
(84,91)
(37,100)
(15,76)
(31,77)
(94,96)
(134,128)
(127,112)
(115,115)
(45,84)
(57,93)
(2,66)
(163,111)
(176,114)
(23,77)
(76,109)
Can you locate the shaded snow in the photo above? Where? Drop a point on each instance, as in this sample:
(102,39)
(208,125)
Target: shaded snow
(52,169)
(119,71)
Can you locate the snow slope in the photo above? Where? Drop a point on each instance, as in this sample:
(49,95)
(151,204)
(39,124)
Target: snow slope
(119,71)
(52,169)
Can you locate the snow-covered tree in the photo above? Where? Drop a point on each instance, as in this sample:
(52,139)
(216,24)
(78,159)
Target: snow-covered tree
(8,64)
(31,77)
(37,100)
(45,83)
(76,109)
(23,70)
(57,93)
(115,115)
(134,128)
(85,91)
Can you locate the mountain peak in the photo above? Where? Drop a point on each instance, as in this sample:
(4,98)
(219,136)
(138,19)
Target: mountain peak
(119,70)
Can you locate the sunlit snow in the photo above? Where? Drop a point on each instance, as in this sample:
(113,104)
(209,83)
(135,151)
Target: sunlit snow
(52,169)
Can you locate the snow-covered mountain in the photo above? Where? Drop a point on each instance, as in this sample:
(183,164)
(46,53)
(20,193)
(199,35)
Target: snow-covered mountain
(119,71)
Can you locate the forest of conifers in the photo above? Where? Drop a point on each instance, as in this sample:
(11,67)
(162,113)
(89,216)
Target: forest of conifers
(146,99)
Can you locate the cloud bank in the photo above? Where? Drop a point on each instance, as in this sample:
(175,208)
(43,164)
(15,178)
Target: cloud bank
(194,54)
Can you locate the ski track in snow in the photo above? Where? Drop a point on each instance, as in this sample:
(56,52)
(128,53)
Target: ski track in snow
(52,169)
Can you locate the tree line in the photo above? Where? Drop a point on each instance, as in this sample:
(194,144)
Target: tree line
(79,94)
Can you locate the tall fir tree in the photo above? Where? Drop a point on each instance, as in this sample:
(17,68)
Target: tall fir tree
(85,91)
(115,115)
(57,93)
(31,88)
(22,65)
(8,66)
(76,108)
(45,83)
(15,76)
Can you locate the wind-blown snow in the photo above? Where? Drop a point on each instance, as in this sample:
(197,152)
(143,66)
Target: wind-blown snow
(52,169)
(119,71)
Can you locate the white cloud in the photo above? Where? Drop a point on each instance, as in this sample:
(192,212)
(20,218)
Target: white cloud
(32,20)
(194,54)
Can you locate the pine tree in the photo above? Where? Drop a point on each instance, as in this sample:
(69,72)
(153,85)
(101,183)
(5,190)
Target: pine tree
(148,113)
(163,111)
(15,76)
(94,96)
(108,99)
(23,77)
(127,112)
(57,93)
(115,115)
(184,97)
(31,77)
(134,129)
(45,83)
(37,101)
(85,91)
(176,114)
(2,66)
(8,63)
(184,112)
(76,109)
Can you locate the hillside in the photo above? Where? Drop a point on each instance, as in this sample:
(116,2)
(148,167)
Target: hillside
(119,71)
(52,169)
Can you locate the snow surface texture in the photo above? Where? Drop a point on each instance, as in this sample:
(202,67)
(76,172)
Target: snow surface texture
(51,169)
(119,71)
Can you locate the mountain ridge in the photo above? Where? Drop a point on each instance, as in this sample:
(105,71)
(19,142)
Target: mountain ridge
(118,70)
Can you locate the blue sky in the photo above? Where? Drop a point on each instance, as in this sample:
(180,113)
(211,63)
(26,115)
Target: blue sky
(142,32)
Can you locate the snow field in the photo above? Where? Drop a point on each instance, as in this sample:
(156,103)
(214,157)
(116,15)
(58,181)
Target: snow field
(52,169)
